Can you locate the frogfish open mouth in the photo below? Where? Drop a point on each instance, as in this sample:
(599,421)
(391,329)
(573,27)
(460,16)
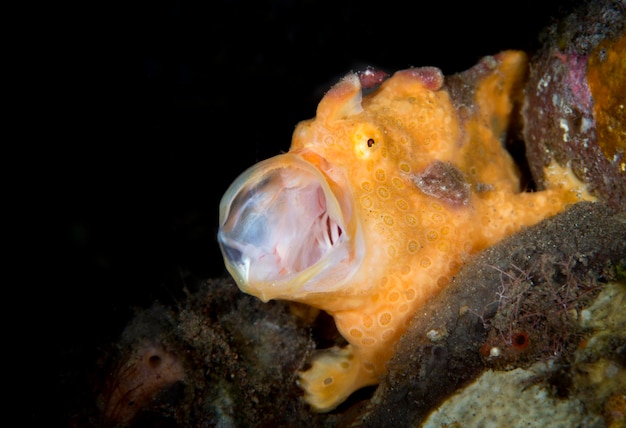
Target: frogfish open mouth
(379,201)
(287,230)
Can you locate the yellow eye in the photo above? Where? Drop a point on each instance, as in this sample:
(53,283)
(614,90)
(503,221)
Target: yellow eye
(366,139)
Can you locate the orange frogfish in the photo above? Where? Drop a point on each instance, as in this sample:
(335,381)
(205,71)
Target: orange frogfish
(378,202)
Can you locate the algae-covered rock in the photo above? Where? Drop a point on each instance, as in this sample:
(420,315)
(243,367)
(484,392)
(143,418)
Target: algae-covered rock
(213,361)
(575,111)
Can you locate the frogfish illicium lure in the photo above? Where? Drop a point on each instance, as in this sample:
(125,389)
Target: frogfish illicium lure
(379,201)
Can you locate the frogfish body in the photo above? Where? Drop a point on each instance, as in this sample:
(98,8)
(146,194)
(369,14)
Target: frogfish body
(379,201)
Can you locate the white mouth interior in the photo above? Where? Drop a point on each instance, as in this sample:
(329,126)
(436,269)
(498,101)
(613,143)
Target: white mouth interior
(279,219)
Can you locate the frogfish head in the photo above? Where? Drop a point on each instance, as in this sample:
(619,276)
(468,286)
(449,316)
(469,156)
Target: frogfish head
(287,225)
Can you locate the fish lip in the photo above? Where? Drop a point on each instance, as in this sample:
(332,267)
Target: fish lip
(257,260)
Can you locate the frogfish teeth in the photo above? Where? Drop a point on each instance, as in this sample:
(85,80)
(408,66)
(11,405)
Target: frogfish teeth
(378,202)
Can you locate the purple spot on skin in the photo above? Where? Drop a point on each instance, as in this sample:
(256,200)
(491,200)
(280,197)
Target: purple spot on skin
(444,181)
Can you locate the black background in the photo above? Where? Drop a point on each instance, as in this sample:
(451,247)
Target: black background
(149,112)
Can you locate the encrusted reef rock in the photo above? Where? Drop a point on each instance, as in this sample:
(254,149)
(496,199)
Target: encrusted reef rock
(146,370)
(575,111)
(221,358)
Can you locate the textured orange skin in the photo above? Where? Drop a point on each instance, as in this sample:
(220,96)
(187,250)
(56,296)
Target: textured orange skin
(375,150)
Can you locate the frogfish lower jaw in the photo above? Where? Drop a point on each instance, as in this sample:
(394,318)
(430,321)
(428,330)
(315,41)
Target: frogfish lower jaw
(286,229)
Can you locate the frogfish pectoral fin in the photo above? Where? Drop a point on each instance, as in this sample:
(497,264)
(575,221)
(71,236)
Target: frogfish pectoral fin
(334,375)
(285,230)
